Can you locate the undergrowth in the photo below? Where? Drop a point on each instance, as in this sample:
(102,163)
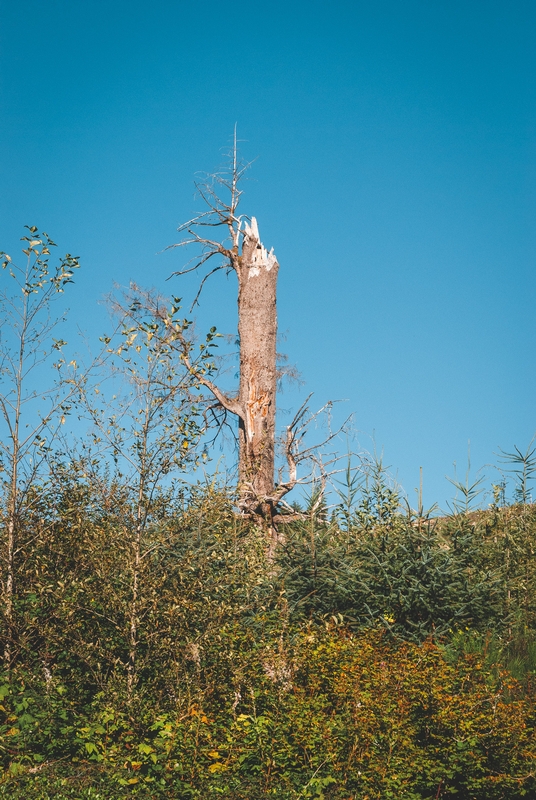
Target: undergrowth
(391,660)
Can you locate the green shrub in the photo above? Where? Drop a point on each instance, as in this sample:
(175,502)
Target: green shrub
(319,712)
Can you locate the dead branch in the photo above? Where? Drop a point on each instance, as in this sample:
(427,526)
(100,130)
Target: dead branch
(295,454)
(228,403)
(205,279)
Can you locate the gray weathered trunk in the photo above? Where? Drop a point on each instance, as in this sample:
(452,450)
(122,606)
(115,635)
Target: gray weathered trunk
(257,328)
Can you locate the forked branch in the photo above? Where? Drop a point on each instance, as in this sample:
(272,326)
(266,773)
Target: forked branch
(294,451)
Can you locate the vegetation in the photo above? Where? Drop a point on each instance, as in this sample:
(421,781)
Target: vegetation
(310,681)
(156,647)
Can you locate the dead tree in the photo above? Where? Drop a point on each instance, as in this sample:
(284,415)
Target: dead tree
(241,251)
(256,269)
(257,329)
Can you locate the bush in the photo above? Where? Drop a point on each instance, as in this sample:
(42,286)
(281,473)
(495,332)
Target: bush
(418,579)
(319,712)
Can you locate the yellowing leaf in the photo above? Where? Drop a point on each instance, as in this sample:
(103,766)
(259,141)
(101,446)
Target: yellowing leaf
(217,768)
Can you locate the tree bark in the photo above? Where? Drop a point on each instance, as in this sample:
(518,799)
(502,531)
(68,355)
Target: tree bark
(257,327)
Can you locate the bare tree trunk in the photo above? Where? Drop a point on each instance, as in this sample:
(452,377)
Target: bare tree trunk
(257,327)
(8,590)
(141,519)
(133,622)
(14,495)
(255,404)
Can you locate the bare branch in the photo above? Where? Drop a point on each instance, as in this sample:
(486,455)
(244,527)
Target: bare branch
(230,404)
(205,279)
(294,454)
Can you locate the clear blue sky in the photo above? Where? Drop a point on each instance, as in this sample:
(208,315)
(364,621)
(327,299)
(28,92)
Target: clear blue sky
(395,179)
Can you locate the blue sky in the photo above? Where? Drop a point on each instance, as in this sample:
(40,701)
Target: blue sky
(395,179)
